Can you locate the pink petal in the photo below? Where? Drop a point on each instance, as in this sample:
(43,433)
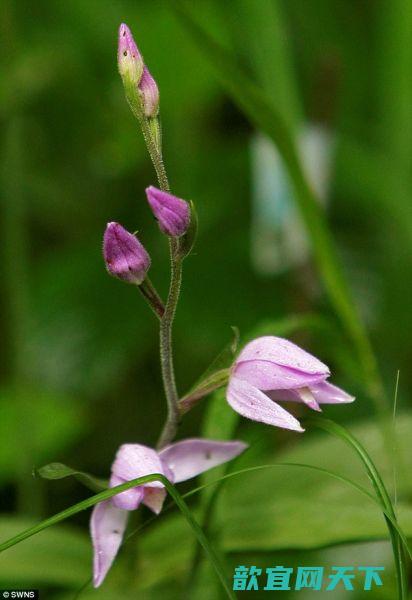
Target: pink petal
(128,500)
(283,353)
(190,457)
(107,525)
(266,375)
(253,404)
(327,393)
(153,498)
(136,460)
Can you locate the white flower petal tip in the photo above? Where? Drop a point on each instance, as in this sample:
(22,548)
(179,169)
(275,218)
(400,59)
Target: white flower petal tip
(154,498)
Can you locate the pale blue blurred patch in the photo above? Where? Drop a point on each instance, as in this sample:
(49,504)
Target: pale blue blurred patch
(278,238)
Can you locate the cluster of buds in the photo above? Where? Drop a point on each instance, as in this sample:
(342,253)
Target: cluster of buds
(124,255)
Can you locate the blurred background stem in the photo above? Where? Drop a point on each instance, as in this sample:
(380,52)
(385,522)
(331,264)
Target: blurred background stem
(14,236)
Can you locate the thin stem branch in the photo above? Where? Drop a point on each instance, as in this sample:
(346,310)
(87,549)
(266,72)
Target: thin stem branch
(151,296)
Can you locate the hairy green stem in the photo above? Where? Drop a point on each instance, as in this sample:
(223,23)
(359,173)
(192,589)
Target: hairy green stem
(166,321)
(166,351)
(155,154)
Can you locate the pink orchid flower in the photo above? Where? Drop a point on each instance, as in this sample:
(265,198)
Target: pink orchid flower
(271,369)
(178,462)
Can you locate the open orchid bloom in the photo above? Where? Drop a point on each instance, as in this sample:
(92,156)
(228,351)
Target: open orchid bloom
(271,369)
(178,462)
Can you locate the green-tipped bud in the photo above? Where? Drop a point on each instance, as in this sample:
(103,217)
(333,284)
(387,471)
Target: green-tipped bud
(129,59)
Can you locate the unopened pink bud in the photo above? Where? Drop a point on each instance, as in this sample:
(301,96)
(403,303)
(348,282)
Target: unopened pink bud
(172,213)
(149,93)
(124,255)
(129,59)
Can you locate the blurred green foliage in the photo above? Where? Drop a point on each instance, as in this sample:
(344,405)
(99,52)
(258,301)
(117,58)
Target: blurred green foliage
(79,360)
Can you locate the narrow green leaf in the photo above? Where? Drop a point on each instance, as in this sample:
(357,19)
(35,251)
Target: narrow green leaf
(353,484)
(205,387)
(215,376)
(223,360)
(60,471)
(154,543)
(109,493)
(381,493)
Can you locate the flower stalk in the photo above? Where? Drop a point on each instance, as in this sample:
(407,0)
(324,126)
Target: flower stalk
(166,323)
(166,350)
(151,296)
(142,95)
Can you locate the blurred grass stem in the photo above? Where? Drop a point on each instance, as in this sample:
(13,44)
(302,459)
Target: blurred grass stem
(15,280)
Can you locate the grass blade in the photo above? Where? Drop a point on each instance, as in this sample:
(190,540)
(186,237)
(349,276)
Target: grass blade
(381,493)
(109,493)
(321,470)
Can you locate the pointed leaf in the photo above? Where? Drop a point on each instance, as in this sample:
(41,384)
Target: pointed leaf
(60,471)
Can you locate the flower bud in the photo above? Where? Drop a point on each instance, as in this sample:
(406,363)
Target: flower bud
(129,59)
(124,255)
(149,93)
(172,213)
